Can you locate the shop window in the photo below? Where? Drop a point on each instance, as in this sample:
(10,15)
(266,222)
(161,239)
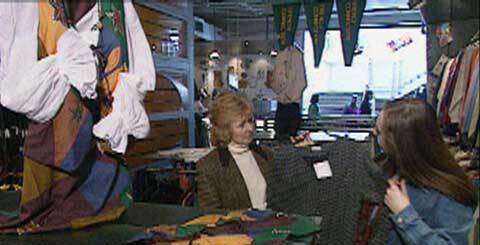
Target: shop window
(389,61)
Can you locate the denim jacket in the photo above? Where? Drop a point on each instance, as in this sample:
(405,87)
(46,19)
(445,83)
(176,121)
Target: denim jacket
(431,219)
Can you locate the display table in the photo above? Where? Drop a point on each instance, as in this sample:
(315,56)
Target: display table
(182,154)
(135,220)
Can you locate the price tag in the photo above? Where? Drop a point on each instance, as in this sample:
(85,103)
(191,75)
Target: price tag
(316,148)
(322,169)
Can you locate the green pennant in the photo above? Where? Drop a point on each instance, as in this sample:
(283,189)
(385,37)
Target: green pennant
(318,14)
(113,17)
(350,14)
(286,20)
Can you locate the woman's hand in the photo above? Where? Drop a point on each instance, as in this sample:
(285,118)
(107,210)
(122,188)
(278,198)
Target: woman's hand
(396,197)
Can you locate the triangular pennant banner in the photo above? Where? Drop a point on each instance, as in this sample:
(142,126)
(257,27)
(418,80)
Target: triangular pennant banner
(350,14)
(286,20)
(318,16)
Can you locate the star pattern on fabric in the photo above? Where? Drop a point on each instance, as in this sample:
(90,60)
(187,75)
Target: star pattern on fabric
(115,17)
(77,113)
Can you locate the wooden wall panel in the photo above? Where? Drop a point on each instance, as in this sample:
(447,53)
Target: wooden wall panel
(166,104)
(163,135)
(164,98)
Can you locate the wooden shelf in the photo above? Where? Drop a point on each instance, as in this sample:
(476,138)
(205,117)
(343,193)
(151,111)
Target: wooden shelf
(169,115)
(171,64)
(167,108)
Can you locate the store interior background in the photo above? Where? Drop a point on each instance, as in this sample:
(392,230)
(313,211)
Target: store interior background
(182,35)
(389,74)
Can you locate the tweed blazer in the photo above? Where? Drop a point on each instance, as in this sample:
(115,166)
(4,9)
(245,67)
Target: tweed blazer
(220,183)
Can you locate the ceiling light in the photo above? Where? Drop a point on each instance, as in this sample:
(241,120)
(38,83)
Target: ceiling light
(246,43)
(214,55)
(174,37)
(260,52)
(273,53)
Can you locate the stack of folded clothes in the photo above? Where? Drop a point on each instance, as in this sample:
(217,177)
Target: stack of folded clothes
(237,227)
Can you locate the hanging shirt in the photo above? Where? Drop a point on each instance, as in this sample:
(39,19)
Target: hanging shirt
(289,80)
(447,96)
(254,180)
(460,87)
(443,84)
(469,93)
(472,103)
(128,116)
(68,61)
(18,38)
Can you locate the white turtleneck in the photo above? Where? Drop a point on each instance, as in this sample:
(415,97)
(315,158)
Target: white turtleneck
(254,180)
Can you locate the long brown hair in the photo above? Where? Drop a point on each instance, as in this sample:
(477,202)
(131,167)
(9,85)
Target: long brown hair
(414,145)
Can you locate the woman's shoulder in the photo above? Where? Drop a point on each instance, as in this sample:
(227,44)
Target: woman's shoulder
(430,194)
(209,160)
(435,202)
(263,151)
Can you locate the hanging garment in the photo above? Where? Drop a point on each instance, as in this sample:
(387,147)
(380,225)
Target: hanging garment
(443,83)
(449,89)
(40,92)
(469,122)
(287,119)
(469,94)
(128,116)
(475,118)
(461,86)
(18,39)
(68,182)
(289,80)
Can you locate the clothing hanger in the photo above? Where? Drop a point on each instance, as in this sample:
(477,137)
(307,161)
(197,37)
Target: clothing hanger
(297,46)
(475,37)
(474,40)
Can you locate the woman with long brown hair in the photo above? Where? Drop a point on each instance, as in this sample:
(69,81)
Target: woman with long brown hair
(430,196)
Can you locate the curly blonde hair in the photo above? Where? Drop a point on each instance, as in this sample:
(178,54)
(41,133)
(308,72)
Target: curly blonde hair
(227,108)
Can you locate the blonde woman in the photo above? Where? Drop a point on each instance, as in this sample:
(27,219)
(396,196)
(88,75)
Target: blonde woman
(235,174)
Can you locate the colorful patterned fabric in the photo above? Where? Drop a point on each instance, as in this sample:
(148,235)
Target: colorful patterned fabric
(68,182)
(112,45)
(248,227)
